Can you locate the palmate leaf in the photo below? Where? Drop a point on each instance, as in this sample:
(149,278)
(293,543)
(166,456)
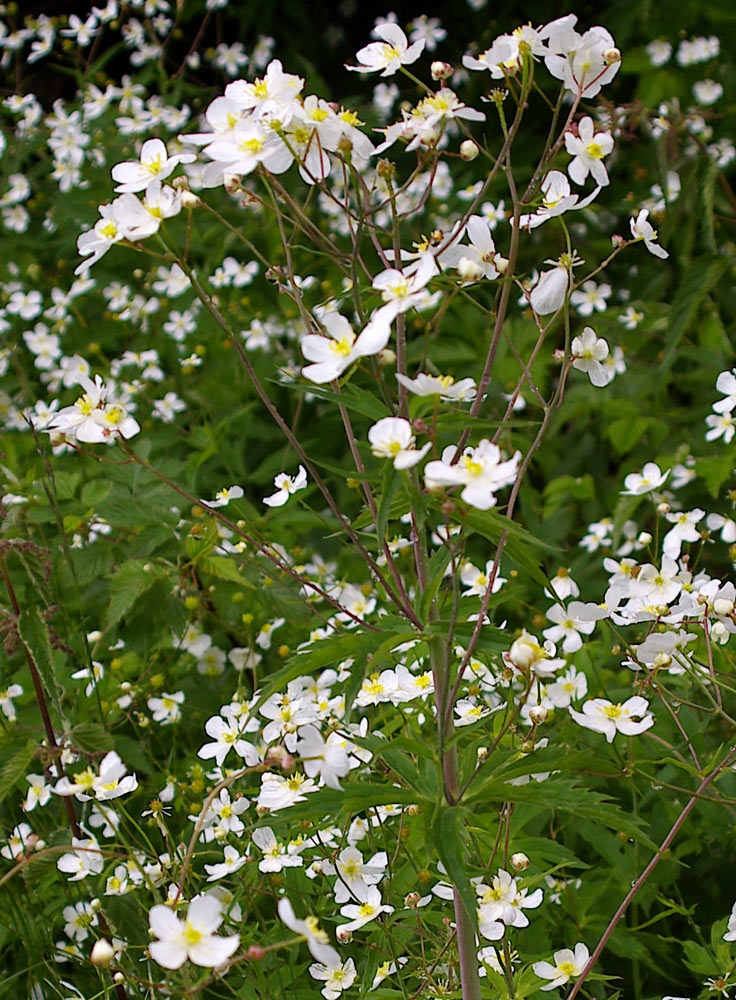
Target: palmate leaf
(16,766)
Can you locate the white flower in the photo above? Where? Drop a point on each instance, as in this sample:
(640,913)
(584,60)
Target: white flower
(730,934)
(111,782)
(568,965)
(659,52)
(604,717)
(155,164)
(85,859)
(230,863)
(588,148)
(707,91)
(363,913)
(589,352)
(480,470)
(224,496)
(557,198)
(684,530)
(193,938)
(390,53)
(316,939)
(334,354)
(567,627)
(392,437)
(328,761)
(285,486)
(443,386)
(650,478)
(590,296)
(337,977)
(549,293)
(643,230)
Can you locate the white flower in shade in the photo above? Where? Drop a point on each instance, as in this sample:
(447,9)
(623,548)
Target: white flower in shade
(154,164)
(650,478)
(112,781)
(527,655)
(227,733)
(604,717)
(285,486)
(392,437)
(224,496)
(588,148)
(167,708)
(279,792)
(388,54)
(328,761)
(85,859)
(568,965)
(567,627)
(707,91)
(479,259)
(402,290)
(730,934)
(641,229)
(276,856)
(476,580)
(355,876)
(443,386)
(316,939)
(720,425)
(335,977)
(20,840)
(360,914)
(480,470)
(557,198)
(584,63)
(6,701)
(550,292)
(659,52)
(589,353)
(230,863)
(590,296)
(38,794)
(726,383)
(193,938)
(684,530)
(502,903)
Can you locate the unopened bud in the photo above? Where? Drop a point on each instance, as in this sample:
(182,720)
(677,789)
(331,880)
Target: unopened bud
(663,508)
(190,200)
(500,263)
(519,862)
(231,183)
(719,632)
(413,809)
(255,953)
(441,70)
(559,355)
(281,757)
(612,56)
(482,753)
(118,978)
(644,538)
(387,357)
(618,241)
(343,936)
(524,651)
(386,169)
(180,183)
(411,899)
(662,660)
(723,607)
(469,150)
(538,714)
(527,746)
(102,953)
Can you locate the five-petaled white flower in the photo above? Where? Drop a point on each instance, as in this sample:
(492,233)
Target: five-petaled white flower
(568,963)
(391,52)
(650,478)
(604,717)
(193,938)
(589,353)
(588,148)
(641,229)
(481,471)
(285,486)
(392,437)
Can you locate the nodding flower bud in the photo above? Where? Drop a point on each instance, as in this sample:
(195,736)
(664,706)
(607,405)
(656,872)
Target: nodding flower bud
(644,538)
(231,183)
(663,508)
(519,862)
(612,56)
(255,953)
(441,70)
(386,357)
(412,899)
(469,149)
(722,606)
(190,200)
(102,953)
(719,632)
(343,936)
(618,241)
(537,714)
(482,753)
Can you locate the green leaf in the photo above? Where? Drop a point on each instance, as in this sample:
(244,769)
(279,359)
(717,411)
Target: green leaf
(92,737)
(715,470)
(130,582)
(34,633)
(16,767)
(224,569)
(698,959)
(699,278)
(438,563)
(449,840)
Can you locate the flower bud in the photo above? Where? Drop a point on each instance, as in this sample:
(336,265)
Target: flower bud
(255,953)
(413,809)
(500,263)
(723,607)
(190,200)
(102,953)
(644,538)
(386,169)
(519,862)
(482,753)
(469,150)
(343,936)
(618,241)
(663,508)
(523,652)
(411,900)
(719,632)
(118,978)
(387,357)
(537,714)
(441,70)
(611,56)
(180,183)
(231,183)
